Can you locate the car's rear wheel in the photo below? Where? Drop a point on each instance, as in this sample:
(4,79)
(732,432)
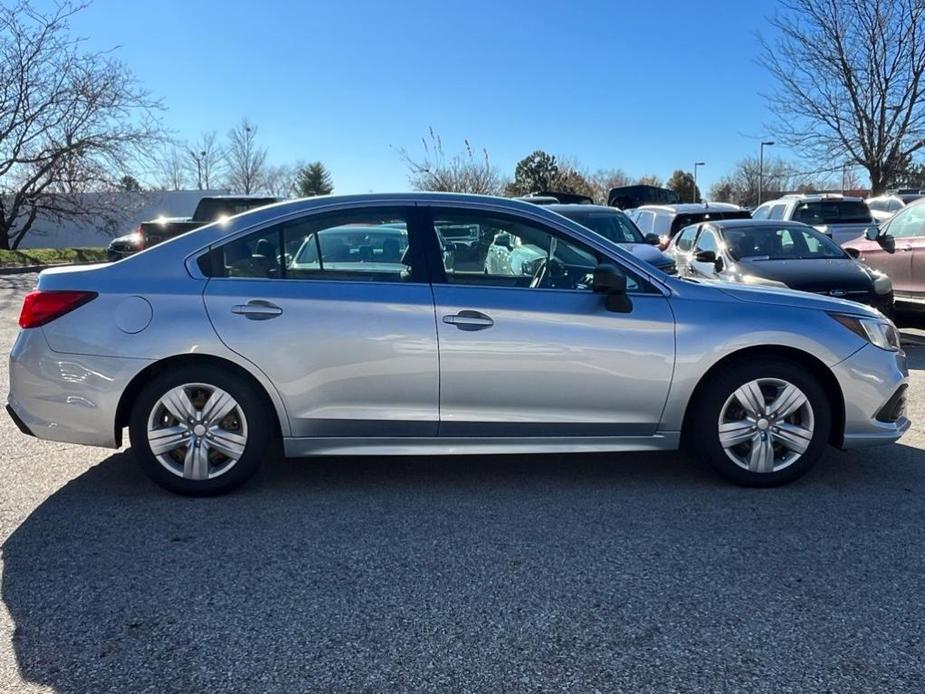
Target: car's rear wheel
(200,430)
(760,423)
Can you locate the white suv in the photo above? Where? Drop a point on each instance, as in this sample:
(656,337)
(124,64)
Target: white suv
(839,217)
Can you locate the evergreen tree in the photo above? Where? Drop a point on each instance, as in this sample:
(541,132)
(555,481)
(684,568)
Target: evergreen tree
(314,179)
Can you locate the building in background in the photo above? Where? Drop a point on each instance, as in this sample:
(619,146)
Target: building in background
(109,215)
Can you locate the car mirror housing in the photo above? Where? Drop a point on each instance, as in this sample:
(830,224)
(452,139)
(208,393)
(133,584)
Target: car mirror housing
(705,257)
(653,239)
(853,252)
(887,242)
(610,280)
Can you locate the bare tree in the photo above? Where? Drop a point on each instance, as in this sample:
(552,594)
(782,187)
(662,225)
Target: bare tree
(849,82)
(245,160)
(778,177)
(466,172)
(649,180)
(70,120)
(280,181)
(603,180)
(205,160)
(172,168)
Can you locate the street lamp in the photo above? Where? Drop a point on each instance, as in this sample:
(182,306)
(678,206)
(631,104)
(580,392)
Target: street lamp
(761,167)
(694,192)
(198,159)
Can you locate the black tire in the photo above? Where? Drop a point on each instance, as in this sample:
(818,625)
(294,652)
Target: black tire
(702,427)
(261,445)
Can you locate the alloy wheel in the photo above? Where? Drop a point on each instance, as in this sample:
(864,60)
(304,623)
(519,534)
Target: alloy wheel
(197,431)
(766,425)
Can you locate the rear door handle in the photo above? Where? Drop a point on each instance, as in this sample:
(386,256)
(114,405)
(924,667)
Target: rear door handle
(469,320)
(257,309)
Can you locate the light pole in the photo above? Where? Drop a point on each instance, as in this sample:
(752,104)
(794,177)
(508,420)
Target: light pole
(761,167)
(198,159)
(694,192)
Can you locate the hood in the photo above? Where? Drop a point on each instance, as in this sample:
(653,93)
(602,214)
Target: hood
(648,253)
(812,275)
(795,299)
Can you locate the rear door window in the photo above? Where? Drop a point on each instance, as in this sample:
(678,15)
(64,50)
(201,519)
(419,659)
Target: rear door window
(777,211)
(359,245)
(645,221)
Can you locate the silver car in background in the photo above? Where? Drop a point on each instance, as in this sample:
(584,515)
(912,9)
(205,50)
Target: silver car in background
(341,325)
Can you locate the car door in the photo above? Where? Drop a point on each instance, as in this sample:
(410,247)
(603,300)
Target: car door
(336,309)
(916,284)
(706,242)
(897,258)
(536,352)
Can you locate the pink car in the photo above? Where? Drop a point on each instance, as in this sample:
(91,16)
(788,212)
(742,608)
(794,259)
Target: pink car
(897,248)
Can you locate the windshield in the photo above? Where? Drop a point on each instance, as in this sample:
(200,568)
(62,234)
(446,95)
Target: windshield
(779,243)
(832,212)
(612,225)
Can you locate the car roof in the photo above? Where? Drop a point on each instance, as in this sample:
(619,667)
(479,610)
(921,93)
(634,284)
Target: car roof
(239,197)
(578,207)
(723,224)
(694,207)
(816,197)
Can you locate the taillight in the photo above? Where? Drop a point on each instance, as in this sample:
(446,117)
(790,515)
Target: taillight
(41,307)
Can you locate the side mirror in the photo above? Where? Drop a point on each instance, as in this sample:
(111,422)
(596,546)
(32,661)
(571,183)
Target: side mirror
(871,233)
(853,252)
(609,280)
(705,257)
(653,239)
(887,242)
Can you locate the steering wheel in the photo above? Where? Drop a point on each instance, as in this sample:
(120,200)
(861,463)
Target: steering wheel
(539,275)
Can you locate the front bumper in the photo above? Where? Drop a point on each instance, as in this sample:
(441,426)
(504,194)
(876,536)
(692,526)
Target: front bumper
(66,397)
(869,380)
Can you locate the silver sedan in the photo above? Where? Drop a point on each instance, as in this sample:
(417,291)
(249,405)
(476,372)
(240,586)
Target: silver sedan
(371,325)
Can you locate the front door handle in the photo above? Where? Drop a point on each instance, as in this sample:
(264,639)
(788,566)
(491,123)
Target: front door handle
(257,309)
(469,320)
(907,248)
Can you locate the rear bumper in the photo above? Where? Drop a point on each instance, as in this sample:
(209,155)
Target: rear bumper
(870,380)
(66,397)
(21,425)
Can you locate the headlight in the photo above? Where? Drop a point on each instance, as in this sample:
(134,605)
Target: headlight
(879,333)
(882,282)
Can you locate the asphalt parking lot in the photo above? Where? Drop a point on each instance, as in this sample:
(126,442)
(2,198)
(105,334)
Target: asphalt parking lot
(564,573)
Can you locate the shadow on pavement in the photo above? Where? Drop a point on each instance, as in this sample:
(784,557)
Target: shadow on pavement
(476,574)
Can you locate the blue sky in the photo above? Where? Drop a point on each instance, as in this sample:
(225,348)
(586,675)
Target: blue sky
(648,87)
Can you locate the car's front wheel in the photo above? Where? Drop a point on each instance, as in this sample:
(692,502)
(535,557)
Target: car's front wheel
(200,430)
(761,423)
